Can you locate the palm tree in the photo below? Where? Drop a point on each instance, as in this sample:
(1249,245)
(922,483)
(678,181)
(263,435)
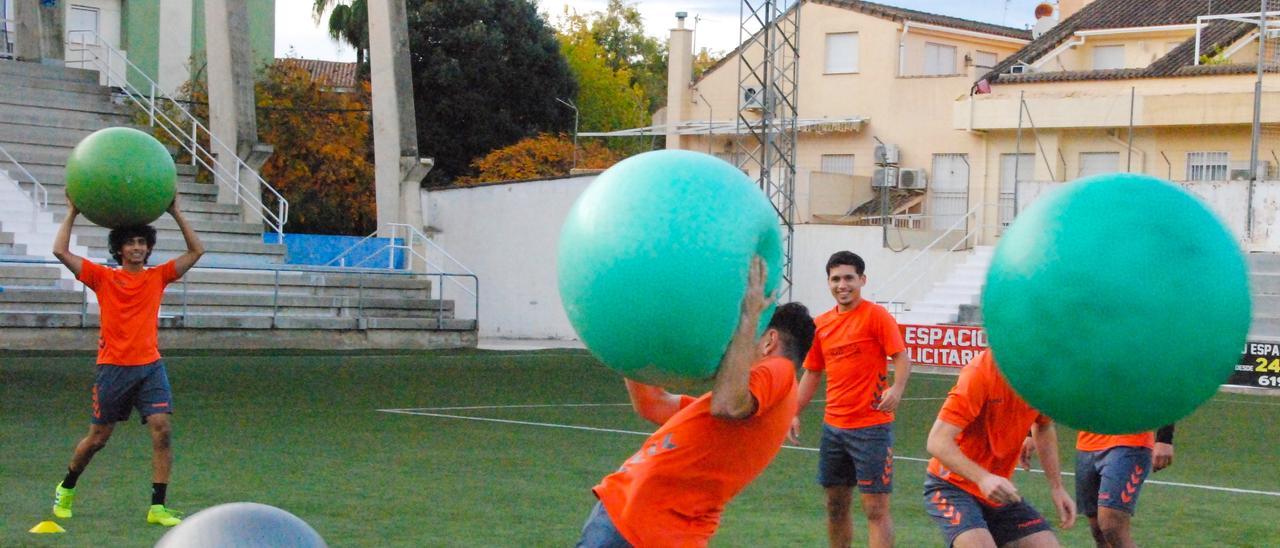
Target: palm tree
(349,23)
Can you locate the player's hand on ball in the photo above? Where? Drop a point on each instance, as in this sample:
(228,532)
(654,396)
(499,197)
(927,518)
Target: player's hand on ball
(1066,507)
(1162,456)
(1001,490)
(754,302)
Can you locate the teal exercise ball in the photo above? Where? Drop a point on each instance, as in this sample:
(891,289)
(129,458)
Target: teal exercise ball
(1117,304)
(653,262)
(120,176)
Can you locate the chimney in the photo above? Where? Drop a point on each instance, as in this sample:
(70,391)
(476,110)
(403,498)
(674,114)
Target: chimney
(1045,20)
(1067,8)
(679,75)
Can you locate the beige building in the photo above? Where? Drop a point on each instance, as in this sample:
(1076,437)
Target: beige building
(868,72)
(1117,86)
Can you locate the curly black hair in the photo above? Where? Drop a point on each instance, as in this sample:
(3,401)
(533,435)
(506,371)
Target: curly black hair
(118,236)
(795,325)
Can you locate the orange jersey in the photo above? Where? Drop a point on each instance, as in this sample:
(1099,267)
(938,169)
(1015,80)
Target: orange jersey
(673,490)
(852,347)
(1088,441)
(993,422)
(129,306)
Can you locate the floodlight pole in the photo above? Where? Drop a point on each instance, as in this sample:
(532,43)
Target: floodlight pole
(575,130)
(1257,119)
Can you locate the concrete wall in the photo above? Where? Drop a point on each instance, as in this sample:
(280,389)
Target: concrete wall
(508,234)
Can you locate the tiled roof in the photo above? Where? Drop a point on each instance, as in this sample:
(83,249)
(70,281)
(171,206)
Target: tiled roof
(1115,14)
(897,14)
(332,74)
(903,14)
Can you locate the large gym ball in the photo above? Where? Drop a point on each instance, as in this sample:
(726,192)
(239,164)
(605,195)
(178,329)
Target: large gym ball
(241,524)
(1117,304)
(653,263)
(120,176)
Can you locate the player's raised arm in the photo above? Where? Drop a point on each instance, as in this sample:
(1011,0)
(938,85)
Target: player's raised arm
(195,248)
(62,241)
(652,403)
(731,396)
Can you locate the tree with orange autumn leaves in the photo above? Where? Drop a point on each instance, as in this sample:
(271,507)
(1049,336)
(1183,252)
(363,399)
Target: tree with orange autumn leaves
(323,159)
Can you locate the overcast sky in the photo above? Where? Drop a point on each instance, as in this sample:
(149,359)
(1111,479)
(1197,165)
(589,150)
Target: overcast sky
(715,21)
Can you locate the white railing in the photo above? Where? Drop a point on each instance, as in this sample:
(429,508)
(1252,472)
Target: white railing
(6,34)
(409,240)
(117,68)
(39,194)
(926,260)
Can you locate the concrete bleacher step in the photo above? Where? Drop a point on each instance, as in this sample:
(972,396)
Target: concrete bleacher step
(41,135)
(60,99)
(31,276)
(9,247)
(1265,284)
(167,229)
(14,71)
(62,118)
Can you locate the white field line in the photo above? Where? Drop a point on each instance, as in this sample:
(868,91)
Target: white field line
(546,405)
(423,413)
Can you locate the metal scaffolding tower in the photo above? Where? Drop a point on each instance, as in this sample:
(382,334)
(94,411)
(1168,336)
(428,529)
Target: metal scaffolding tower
(768,76)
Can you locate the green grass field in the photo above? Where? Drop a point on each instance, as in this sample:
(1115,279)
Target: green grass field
(303,432)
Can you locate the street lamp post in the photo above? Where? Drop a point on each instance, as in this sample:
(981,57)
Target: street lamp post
(575,130)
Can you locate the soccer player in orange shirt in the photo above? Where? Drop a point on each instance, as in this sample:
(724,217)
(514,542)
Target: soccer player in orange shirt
(849,347)
(673,490)
(976,443)
(130,372)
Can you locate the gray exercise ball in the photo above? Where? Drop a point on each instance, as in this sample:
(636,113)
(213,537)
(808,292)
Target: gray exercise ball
(241,524)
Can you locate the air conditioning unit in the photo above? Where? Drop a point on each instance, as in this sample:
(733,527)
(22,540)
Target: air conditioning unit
(885,177)
(1019,68)
(912,179)
(886,154)
(752,99)
(1240,170)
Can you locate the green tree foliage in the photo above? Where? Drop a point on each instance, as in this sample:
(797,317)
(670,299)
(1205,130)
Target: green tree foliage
(486,74)
(349,22)
(619,30)
(607,98)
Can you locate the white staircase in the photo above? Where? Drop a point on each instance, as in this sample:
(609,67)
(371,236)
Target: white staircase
(30,227)
(962,286)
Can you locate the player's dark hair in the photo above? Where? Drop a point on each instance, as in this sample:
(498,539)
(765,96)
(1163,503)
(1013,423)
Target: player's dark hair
(118,236)
(847,258)
(795,328)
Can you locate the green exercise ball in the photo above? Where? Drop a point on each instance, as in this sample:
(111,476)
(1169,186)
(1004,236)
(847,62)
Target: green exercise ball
(653,263)
(120,176)
(1117,304)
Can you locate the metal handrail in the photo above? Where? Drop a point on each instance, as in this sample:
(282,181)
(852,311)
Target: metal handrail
(39,194)
(349,250)
(277,269)
(963,220)
(157,117)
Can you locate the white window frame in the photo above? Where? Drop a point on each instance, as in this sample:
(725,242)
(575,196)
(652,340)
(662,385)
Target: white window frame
(1098,154)
(839,61)
(1103,57)
(1208,166)
(935,59)
(833,163)
(977,61)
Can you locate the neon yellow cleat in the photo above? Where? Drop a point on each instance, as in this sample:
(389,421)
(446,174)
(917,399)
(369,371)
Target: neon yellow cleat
(62,499)
(164,516)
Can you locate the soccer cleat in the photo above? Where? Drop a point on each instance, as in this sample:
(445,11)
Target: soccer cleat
(164,516)
(62,499)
